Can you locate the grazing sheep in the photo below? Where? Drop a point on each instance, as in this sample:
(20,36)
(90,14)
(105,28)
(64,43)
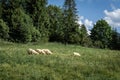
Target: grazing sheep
(31,51)
(40,51)
(47,51)
(76,54)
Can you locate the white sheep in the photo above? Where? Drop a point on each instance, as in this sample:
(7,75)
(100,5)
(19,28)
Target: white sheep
(76,54)
(40,51)
(31,51)
(47,51)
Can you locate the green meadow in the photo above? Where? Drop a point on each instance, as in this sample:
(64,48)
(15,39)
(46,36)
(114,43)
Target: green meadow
(93,64)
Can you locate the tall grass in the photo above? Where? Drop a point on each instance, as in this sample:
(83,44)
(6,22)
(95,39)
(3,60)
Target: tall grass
(94,64)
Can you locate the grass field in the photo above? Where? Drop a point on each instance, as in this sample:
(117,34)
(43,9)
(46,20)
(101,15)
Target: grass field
(93,64)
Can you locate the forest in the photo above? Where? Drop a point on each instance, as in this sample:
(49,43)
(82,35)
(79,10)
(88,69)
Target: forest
(24,21)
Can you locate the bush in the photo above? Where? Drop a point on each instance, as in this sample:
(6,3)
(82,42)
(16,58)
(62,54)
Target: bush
(4,30)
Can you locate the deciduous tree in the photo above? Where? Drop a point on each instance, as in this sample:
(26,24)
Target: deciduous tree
(101,33)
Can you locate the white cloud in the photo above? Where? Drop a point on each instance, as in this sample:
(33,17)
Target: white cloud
(86,22)
(80,22)
(113,17)
(81,18)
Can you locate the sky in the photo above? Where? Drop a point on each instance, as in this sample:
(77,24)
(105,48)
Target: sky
(90,11)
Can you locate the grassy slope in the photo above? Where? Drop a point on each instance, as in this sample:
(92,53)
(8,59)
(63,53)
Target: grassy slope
(94,64)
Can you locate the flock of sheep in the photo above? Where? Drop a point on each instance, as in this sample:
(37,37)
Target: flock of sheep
(45,52)
(39,51)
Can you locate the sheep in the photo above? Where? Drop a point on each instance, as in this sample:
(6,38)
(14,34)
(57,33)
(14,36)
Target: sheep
(47,51)
(40,51)
(31,51)
(76,54)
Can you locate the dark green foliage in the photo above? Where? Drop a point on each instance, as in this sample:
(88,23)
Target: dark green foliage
(71,27)
(4,30)
(35,34)
(70,10)
(8,7)
(37,10)
(118,41)
(22,29)
(98,44)
(101,34)
(33,20)
(56,23)
(73,35)
(83,35)
(0,9)
(20,24)
(6,12)
(115,42)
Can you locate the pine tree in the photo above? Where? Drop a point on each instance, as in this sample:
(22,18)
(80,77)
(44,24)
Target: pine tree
(22,29)
(37,10)
(20,25)
(71,27)
(83,35)
(6,11)
(56,25)
(8,7)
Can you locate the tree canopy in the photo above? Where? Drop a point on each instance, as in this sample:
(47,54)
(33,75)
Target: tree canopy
(26,21)
(101,33)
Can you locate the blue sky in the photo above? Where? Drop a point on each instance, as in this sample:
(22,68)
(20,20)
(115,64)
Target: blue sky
(89,11)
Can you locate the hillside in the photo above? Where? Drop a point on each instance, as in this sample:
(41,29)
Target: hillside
(93,64)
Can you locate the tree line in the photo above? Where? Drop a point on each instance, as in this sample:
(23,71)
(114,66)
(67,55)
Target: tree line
(26,21)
